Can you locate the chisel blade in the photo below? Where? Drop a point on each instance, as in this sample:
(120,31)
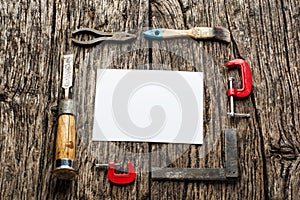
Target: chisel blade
(67,79)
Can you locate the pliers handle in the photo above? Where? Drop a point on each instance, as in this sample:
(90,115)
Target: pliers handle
(100,36)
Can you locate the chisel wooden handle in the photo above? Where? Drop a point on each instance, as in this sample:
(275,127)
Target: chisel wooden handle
(65,142)
(66,138)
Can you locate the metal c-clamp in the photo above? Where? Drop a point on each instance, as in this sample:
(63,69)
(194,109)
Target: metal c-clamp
(246,85)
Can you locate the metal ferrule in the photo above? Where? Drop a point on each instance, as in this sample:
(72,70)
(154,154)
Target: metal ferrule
(64,169)
(66,106)
(64,163)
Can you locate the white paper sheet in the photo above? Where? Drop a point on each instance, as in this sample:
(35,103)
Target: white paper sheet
(149,106)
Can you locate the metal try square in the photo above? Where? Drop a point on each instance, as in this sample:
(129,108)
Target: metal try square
(207,174)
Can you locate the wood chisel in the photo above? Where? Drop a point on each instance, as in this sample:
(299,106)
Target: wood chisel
(204,33)
(66,132)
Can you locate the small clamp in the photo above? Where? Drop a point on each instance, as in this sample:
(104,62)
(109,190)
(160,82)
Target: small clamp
(101,36)
(120,179)
(246,84)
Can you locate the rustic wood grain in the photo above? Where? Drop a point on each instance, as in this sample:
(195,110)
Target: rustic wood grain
(34,36)
(258,169)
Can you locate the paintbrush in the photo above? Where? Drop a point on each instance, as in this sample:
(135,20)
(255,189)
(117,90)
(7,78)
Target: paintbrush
(203,33)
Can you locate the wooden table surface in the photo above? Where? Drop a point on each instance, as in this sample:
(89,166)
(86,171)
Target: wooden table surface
(36,34)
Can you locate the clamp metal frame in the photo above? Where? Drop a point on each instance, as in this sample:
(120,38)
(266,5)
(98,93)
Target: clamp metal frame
(207,174)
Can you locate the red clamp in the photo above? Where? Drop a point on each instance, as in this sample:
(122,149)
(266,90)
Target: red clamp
(246,78)
(246,85)
(121,178)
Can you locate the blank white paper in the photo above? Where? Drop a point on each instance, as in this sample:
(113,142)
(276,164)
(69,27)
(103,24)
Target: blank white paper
(149,106)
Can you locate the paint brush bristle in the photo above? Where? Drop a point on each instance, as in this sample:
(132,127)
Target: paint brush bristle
(221,33)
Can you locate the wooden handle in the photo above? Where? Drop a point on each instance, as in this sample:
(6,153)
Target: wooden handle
(172,33)
(66,137)
(196,33)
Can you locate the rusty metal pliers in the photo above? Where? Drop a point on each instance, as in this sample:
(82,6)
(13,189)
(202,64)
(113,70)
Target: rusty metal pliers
(101,36)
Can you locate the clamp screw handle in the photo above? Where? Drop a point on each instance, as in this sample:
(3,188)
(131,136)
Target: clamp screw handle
(107,165)
(232,113)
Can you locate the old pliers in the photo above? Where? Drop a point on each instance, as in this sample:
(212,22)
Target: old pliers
(101,36)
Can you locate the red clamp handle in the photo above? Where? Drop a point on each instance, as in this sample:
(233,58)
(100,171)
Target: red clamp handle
(246,78)
(121,178)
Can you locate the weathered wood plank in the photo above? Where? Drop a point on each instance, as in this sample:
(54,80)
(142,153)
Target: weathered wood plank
(26,79)
(272,43)
(38,34)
